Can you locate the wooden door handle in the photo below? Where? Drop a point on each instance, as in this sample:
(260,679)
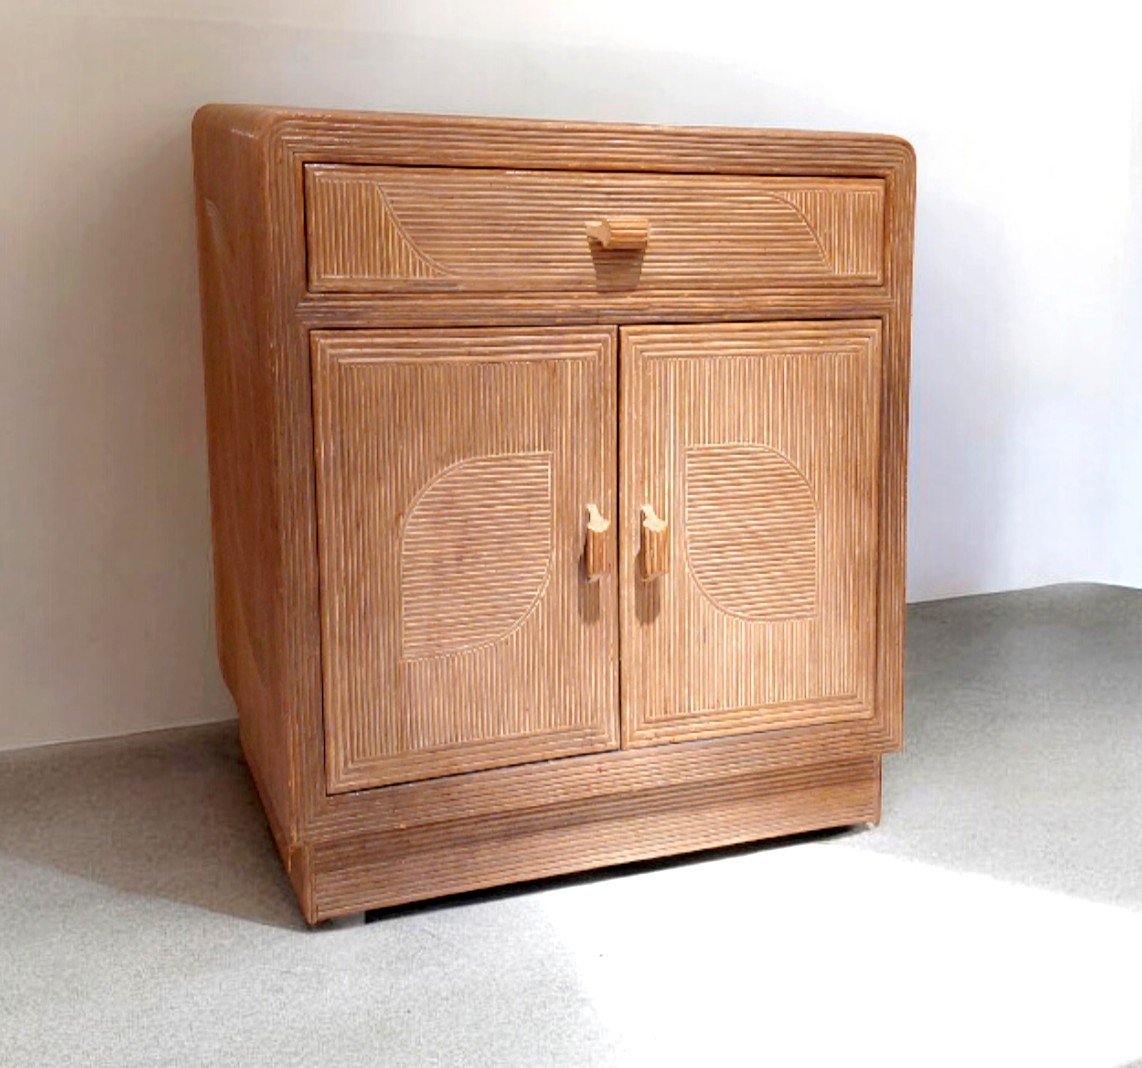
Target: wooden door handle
(597,545)
(654,544)
(620,232)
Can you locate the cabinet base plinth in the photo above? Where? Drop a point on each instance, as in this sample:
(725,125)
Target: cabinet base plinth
(350,875)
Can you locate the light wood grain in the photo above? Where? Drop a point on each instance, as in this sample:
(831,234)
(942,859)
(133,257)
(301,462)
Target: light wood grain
(597,559)
(624,233)
(763,444)
(653,544)
(752,531)
(453,469)
(374,871)
(247,473)
(252,165)
(437,228)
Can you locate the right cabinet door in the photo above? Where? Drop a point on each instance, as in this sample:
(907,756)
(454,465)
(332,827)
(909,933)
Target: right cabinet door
(749,500)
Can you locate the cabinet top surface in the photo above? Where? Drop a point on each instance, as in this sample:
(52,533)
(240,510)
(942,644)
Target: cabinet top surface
(309,125)
(497,224)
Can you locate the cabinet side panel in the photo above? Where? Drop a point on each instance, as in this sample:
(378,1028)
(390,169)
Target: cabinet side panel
(241,425)
(901,203)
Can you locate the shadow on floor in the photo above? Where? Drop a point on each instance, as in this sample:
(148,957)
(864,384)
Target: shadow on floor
(174,814)
(1023,761)
(170,814)
(615,871)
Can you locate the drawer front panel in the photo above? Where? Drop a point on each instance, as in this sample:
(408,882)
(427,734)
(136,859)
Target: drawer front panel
(758,446)
(454,469)
(410,229)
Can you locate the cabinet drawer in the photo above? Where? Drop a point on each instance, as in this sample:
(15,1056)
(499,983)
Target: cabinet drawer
(384,229)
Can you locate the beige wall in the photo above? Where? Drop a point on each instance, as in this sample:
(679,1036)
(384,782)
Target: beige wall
(1022,327)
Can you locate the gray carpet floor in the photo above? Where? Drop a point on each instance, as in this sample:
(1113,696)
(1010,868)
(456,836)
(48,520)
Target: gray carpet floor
(995,916)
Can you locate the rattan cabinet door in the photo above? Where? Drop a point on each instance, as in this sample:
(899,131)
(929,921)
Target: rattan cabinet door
(749,466)
(460,628)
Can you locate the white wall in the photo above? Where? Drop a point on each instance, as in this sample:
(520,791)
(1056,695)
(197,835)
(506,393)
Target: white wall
(1026,287)
(1123,437)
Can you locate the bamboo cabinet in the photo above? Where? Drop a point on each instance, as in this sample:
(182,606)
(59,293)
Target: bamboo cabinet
(557,480)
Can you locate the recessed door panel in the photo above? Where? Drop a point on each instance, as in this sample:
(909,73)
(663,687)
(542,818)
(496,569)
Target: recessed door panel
(459,628)
(749,464)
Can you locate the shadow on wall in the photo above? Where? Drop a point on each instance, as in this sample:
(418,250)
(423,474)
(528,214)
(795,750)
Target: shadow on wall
(105,626)
(106,622)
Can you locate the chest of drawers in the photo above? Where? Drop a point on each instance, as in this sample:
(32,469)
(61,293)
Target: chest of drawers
(557,479)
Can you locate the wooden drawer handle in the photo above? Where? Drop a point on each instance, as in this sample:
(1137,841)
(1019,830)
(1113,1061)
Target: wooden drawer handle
(597,546)
(620,232)
(654,547)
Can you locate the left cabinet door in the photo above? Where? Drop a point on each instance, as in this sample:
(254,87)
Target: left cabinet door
(460,629)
